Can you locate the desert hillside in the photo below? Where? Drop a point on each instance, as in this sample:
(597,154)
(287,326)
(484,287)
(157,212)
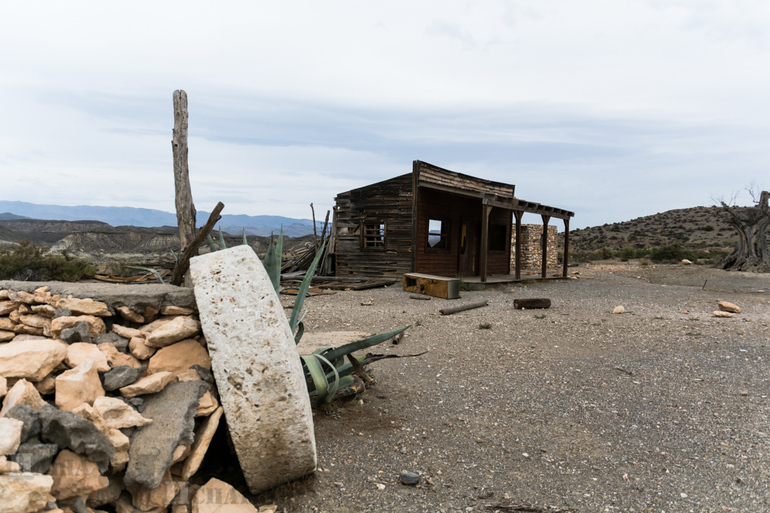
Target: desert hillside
(700,229)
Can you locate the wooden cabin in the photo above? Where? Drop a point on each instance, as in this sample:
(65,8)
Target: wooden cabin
(431,221)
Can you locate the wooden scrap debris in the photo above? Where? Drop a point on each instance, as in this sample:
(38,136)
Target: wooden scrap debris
(147,277)
(312,291)
(364,285)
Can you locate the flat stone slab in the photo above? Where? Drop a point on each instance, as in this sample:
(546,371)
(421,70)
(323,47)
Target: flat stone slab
(152,447)
(256,366)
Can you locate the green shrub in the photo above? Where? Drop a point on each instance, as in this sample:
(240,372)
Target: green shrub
(26,262)
(627,253)
(673,251)
(602,254)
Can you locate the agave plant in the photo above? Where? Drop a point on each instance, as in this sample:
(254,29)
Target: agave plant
(222,245)
(326,371)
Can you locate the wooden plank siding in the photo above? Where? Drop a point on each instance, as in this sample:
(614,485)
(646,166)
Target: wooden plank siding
(388,202)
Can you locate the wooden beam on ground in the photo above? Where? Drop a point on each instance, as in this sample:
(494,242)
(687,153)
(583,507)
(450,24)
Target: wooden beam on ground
(531,303)
(462,308)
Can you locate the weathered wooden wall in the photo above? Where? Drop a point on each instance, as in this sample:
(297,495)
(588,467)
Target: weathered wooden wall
(454,209)
(390,202)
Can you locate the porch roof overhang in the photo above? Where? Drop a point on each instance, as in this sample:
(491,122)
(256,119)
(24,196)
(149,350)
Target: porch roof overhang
(527,206)
(507,203)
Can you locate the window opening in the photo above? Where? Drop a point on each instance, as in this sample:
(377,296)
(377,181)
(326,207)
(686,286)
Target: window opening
(497,240)
(374,235)
(438,234)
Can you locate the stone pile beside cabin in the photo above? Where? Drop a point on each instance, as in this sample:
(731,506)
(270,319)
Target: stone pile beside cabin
(105,403)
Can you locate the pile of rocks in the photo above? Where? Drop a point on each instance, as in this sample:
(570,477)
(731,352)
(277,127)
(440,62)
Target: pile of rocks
(103,405)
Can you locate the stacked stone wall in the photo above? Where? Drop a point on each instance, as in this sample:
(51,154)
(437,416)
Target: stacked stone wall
(532,248)
(108,398)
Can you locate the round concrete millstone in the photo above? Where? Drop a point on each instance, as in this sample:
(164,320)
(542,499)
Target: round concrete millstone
(256,366)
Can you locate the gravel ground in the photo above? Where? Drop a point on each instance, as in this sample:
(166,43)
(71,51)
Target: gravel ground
(663,408)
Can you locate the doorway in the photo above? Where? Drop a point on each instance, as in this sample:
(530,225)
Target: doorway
(470,231)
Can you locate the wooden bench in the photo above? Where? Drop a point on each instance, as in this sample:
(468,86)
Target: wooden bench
(436,286)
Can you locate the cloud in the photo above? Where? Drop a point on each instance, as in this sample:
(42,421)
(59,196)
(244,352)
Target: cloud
(613,110)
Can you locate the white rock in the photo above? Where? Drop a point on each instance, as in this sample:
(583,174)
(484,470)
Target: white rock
(36,321)
(31,357)
(85,307)
(219,497)
(96,325)
(78,352)
(206,405)
(7,307)
(8,466)
(618,310)
(151,384)
(175,330)
(115,358)
(74,476)
(10,435)
(24,492)
(176,310)
(130,315)
(77,386)
(726,306)
(117,414)
(22,392)
(257,367)
(179,357)
(139,348)
(21,296)
(126,332)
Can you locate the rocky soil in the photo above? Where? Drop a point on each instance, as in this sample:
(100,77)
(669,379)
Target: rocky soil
(661,408)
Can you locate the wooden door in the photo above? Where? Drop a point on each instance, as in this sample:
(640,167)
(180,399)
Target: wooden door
(470,231)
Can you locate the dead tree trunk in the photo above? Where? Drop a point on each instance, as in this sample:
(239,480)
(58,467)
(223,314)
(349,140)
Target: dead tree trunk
(750,252)
(185,209)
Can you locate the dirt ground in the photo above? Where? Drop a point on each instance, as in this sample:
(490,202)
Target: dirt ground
(663,408)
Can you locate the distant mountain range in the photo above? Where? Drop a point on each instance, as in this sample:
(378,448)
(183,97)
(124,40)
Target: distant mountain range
(149,218)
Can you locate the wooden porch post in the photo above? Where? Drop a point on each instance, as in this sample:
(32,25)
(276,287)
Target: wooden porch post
(484,253)
(566,246)
(545,245)
(517,271)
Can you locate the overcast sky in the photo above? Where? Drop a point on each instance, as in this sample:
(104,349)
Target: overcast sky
(613,109)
